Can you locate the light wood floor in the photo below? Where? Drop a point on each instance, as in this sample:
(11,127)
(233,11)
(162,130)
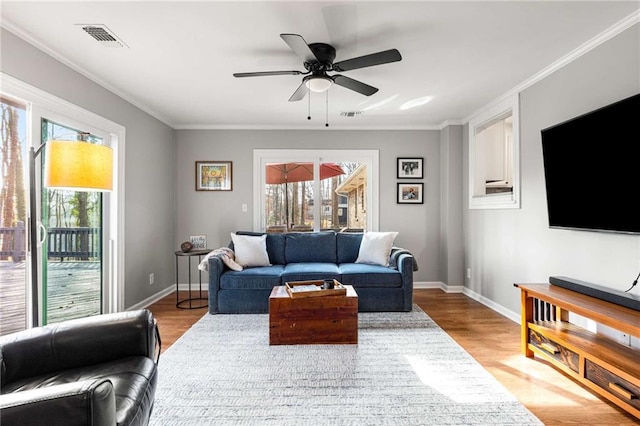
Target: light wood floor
(493,340)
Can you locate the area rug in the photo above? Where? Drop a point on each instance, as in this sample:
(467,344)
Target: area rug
(405,370)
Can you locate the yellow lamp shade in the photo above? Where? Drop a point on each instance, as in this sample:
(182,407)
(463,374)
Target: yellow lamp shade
(78,166)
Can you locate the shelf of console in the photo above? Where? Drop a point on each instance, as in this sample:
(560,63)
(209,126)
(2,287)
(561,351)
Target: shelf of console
(603,365)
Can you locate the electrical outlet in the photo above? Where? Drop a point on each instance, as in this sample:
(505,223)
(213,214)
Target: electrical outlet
(151,279)
(468,272)
(625,339)
(244,207)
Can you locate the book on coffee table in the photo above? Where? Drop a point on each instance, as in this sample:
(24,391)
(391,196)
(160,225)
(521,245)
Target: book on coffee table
(305,288)
(314,288)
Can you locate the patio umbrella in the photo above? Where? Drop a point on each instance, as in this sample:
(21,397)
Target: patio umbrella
(299,172)
(279,173)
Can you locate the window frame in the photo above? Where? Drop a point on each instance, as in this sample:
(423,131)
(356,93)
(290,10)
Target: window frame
(507,200)
(261,157)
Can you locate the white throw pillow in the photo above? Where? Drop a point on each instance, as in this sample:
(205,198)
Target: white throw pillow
(375,248)
(250,250)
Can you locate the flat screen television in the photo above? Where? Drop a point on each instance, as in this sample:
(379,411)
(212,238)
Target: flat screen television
(592,169)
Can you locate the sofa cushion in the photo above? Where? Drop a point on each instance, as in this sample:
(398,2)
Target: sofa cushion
(260,278)
(348,245)
(310,271)
(275,246)
(375,248)
(364,275)
(310,247)
(250,250)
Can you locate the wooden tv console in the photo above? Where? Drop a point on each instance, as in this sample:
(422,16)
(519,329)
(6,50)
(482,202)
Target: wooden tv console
(605,366)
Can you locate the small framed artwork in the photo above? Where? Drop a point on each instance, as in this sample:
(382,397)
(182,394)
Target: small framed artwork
(410,168)
(213,176)
(198,241)
(410,193)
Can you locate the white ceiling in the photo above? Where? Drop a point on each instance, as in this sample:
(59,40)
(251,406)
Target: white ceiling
(180,57)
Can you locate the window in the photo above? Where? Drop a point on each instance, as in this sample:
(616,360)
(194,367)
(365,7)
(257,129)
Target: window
(494,181)
(13,215)
(306,190)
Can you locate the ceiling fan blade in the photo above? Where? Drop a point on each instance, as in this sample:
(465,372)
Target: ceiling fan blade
(300,47)
(379,58)
(266,73)
(300,93)
(354,85)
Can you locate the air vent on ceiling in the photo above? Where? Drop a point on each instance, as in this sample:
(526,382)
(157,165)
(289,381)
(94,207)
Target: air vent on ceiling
(350,113)
(102,34)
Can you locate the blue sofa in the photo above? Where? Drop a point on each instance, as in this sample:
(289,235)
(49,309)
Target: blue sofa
(300,256)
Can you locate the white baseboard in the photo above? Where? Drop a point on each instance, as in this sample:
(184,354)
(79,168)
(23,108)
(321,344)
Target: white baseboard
(194,287)
(439,285)
(167,291)
(427,284)
(152,299)
(513,316)
(452,288)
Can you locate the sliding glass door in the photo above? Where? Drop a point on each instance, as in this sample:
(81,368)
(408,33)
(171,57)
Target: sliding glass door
(78,256)
(72,252)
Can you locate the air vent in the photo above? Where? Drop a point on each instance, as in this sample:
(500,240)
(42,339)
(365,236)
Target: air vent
(350,113)
(103,35)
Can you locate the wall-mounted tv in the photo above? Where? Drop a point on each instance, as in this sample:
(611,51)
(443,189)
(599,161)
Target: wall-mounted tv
(592,169)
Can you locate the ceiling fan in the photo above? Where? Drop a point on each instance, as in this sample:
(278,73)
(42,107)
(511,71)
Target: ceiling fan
(318,60)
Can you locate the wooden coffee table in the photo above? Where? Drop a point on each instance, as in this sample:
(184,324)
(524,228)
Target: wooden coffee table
(313,320)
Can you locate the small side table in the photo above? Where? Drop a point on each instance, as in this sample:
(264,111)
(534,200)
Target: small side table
(190,299)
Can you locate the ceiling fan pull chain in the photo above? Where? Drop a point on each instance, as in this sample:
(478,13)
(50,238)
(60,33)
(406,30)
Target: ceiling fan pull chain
(309,107)
(326,109)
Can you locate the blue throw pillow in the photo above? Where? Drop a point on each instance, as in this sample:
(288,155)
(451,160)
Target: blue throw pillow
(348,246)
(310,247)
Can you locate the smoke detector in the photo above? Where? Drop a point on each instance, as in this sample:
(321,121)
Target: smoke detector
(103,35)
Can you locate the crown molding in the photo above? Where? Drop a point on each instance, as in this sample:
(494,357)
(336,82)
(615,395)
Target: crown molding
(319,127)
(608,34)
(19,32)
(448,123)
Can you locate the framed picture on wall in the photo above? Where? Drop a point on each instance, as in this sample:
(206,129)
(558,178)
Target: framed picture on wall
(213,176)
(410,168)
(411,193)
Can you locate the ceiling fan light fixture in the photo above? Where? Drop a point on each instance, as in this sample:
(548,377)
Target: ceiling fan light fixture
(318,83)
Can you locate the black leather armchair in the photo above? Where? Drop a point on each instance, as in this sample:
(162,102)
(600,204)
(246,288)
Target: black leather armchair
(100,370)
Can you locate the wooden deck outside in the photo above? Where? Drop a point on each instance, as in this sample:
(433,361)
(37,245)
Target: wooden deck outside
(73,292)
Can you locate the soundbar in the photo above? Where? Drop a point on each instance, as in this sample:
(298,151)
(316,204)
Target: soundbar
(617,297)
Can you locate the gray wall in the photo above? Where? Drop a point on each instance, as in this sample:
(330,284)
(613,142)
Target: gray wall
(217,214)
(451,235)
(149,163)
(503,247)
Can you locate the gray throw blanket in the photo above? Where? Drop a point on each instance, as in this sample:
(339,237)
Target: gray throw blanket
(396,252)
